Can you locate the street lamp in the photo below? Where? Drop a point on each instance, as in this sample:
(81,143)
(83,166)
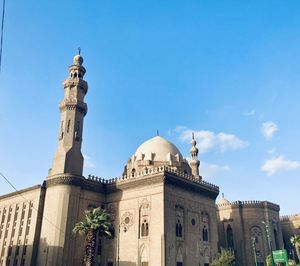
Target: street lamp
(269,240)
(254,249)
(118,240)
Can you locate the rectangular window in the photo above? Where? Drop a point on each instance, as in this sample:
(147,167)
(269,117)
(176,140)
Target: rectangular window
(110,264)
(179,264)
(68,126)
(144,263)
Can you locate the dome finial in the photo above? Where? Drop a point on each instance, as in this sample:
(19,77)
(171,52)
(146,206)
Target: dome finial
(157,133)
(78,59)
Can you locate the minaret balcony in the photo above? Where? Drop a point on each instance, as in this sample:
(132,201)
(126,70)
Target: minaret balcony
(82,84)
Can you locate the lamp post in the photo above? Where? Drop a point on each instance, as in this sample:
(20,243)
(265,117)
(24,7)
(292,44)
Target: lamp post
(269,240)
(254,250)
(118,241)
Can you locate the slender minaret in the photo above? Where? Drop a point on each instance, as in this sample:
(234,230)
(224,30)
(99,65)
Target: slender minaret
(63,184)
(194,162)
(68,158)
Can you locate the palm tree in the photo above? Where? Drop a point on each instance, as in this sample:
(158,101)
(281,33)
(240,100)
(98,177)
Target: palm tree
(96,220)
(295,241)
(225,258)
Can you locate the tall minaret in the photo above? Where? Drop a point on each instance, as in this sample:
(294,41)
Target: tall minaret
(68,158)
(63,184)
(194,162)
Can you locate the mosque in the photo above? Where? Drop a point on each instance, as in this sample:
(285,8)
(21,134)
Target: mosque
(164,213)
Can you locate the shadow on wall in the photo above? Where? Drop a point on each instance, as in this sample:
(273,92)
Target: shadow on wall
(26,255)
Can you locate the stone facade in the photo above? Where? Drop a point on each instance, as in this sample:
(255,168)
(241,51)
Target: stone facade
(163,212)
(290,226)
(241,229)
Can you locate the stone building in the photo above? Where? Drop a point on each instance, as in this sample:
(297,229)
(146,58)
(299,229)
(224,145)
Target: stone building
(164,212)
(242,230)
(290,226)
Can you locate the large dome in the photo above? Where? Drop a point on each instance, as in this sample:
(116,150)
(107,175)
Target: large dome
(157,149)
(156,152)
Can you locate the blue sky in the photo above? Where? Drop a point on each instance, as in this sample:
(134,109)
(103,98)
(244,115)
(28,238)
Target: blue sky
(227,70)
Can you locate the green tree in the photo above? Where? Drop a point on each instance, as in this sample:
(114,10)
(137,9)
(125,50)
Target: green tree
(225,258)
(96,220)
(269,260)
(295,241)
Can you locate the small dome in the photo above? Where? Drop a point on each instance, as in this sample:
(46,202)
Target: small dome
(223,201)
(157,149)
(78,60)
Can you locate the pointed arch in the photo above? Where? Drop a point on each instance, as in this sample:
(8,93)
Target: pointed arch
(179,257)
(257,235)
(144,255)
(229,237)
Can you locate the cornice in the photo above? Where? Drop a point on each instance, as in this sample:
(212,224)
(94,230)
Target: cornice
(136,182)
(74,180)
(22,191)
(73,105)
(175,180)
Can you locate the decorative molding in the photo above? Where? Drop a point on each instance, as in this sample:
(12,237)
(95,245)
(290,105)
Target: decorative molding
(73,180)
(82,84)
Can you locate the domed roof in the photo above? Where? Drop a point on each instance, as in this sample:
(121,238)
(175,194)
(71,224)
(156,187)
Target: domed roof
(78,60)
(157,149)
(223,201)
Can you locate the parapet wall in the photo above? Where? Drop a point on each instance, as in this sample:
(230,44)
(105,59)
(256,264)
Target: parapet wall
(250,204)
(149,172)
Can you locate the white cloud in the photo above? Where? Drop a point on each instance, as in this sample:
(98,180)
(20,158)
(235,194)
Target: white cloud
(88,162)
(279,163)
(208,140)
(249,113)
(211,170)
(268,129)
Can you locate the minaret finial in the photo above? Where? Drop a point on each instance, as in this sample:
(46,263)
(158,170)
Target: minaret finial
(157,133)
(223,195)
(193,137)
(79,50)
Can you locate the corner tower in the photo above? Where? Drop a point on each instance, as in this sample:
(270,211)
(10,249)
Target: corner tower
(68,158)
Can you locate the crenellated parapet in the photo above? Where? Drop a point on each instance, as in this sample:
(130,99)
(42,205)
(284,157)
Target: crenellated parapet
(290,217)
(152,171)
(250,204)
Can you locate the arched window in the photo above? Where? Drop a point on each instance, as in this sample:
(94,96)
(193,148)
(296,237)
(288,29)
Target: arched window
(205,234)
(276,239)
(256,233)
(178,229)
(229,236)
(145,229)
(133,172)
